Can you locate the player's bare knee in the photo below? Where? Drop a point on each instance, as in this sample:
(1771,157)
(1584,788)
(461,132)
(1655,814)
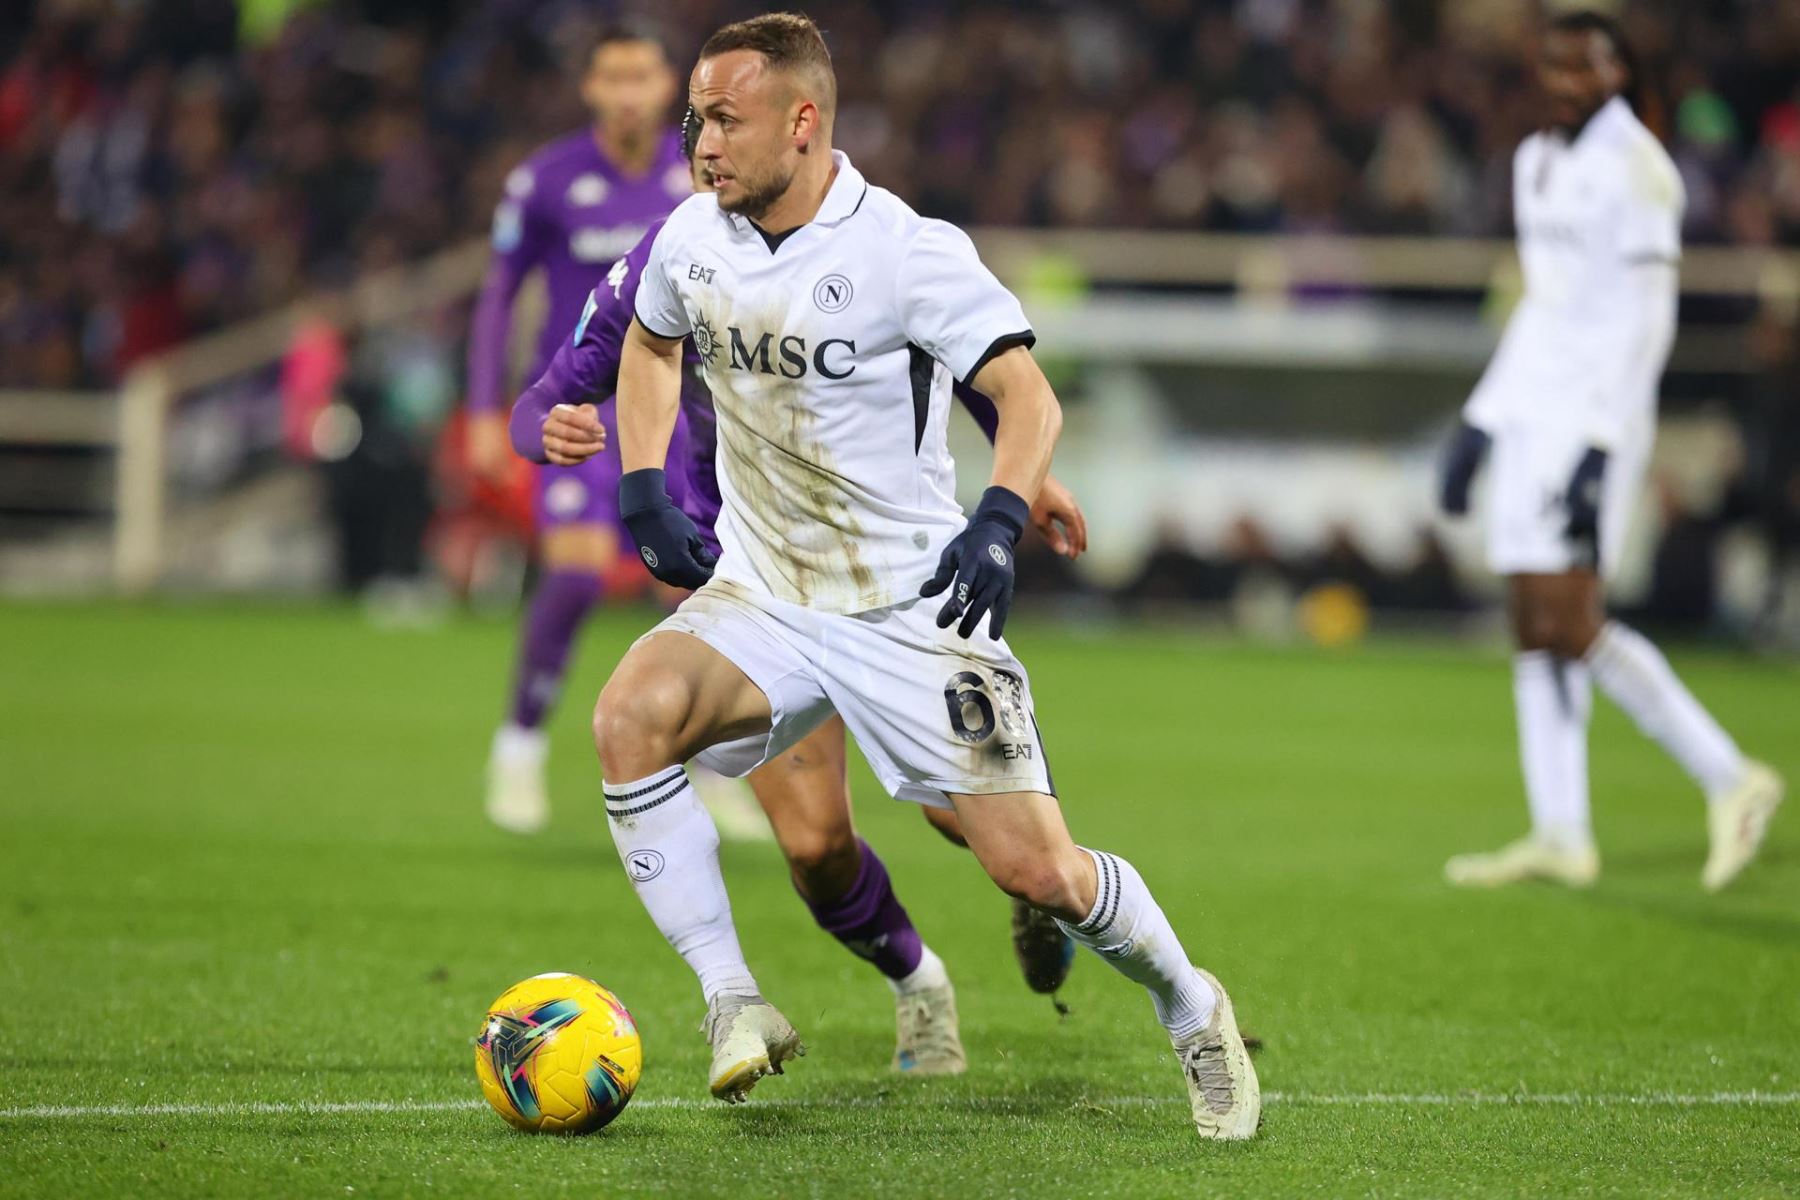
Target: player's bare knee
(637,724)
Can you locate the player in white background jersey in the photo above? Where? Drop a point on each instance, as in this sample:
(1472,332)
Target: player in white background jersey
(831,319)
(1567,413)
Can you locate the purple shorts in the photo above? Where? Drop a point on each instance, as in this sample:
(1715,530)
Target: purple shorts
(589,493)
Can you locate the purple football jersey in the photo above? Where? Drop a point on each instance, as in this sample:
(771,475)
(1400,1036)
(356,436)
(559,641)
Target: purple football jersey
(585,370)
(569,210)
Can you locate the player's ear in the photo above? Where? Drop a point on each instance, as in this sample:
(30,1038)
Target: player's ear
(806,123)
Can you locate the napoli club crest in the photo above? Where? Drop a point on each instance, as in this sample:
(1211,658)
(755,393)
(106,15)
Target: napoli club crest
(832,294)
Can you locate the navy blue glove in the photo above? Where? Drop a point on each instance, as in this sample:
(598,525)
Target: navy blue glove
(667,539)
(1583,505)
(980,560)
(1462,458)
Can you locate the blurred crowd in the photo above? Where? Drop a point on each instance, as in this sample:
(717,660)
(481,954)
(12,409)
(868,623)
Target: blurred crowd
(168,166)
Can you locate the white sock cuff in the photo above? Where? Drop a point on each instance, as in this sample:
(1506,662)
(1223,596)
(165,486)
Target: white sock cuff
(640,796)
(1108,889)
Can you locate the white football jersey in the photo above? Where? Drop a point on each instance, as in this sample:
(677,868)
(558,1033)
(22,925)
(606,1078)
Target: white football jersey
(1599,221)
(830,353)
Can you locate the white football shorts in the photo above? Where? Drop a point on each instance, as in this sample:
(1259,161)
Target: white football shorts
(1529,477)
(932,712)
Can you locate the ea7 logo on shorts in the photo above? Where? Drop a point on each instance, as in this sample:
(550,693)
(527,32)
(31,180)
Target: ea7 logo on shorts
(832,294)
(649,556)
(997,554)
(643,865)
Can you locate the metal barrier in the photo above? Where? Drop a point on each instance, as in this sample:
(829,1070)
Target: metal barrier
(1259,268)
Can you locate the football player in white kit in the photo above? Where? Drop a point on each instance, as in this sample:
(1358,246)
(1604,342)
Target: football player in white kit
(831,320)
(1567,412)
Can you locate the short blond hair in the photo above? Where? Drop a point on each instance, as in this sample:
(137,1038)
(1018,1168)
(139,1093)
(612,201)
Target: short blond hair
(788,42)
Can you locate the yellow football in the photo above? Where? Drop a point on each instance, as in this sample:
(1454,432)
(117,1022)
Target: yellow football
(558,1054)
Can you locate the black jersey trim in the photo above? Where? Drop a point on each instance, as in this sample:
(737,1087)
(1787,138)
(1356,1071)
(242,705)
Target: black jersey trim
(773,240)
(668,337)
(920,366)
(997,347)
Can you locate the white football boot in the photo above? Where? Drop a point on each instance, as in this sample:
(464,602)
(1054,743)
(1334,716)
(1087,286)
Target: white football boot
(732,805)
(928,1040)
(517,800)
(1528,858)
(1737,822)
(1222,1087)
(749,1039)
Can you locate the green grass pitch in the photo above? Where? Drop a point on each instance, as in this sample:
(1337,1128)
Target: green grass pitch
(250,915)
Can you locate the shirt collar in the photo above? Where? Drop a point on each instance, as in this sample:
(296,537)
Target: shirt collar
(1610,112)
(841,201)
(846,194)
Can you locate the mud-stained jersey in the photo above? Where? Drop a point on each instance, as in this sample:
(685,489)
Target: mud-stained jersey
(830,353)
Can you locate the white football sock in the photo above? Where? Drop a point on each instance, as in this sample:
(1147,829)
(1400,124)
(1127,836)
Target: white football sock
(670,851)
(930,973)
(1635,676)
(515,744)
(1127,928)
(1554,698)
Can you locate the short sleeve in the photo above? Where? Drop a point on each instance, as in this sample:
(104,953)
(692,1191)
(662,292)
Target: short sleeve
(952,306)
(1650,209)
(658,305)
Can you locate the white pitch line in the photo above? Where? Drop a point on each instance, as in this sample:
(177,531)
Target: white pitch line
(1751,1099)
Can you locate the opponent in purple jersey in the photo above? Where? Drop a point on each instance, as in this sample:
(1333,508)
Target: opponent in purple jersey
(805,792)
(569,211)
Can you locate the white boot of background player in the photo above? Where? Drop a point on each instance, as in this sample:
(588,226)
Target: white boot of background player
(517,799)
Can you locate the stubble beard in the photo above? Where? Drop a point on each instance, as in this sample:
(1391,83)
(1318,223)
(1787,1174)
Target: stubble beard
(758,196)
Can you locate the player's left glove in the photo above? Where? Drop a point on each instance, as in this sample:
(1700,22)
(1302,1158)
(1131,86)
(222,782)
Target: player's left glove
(668,540)
(1462,459)
(980,561)
(1583,505)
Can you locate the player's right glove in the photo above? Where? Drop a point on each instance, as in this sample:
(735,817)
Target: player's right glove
(1583,505)
(980,561)
(668,541)
(1462,459)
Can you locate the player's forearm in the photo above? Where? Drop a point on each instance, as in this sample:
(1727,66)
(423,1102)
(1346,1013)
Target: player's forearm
(526,425)
(581,372)
(1030,421)
(649,398)
(488,335)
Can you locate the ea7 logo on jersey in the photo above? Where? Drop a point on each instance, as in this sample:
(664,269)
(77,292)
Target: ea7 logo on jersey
(700,273)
